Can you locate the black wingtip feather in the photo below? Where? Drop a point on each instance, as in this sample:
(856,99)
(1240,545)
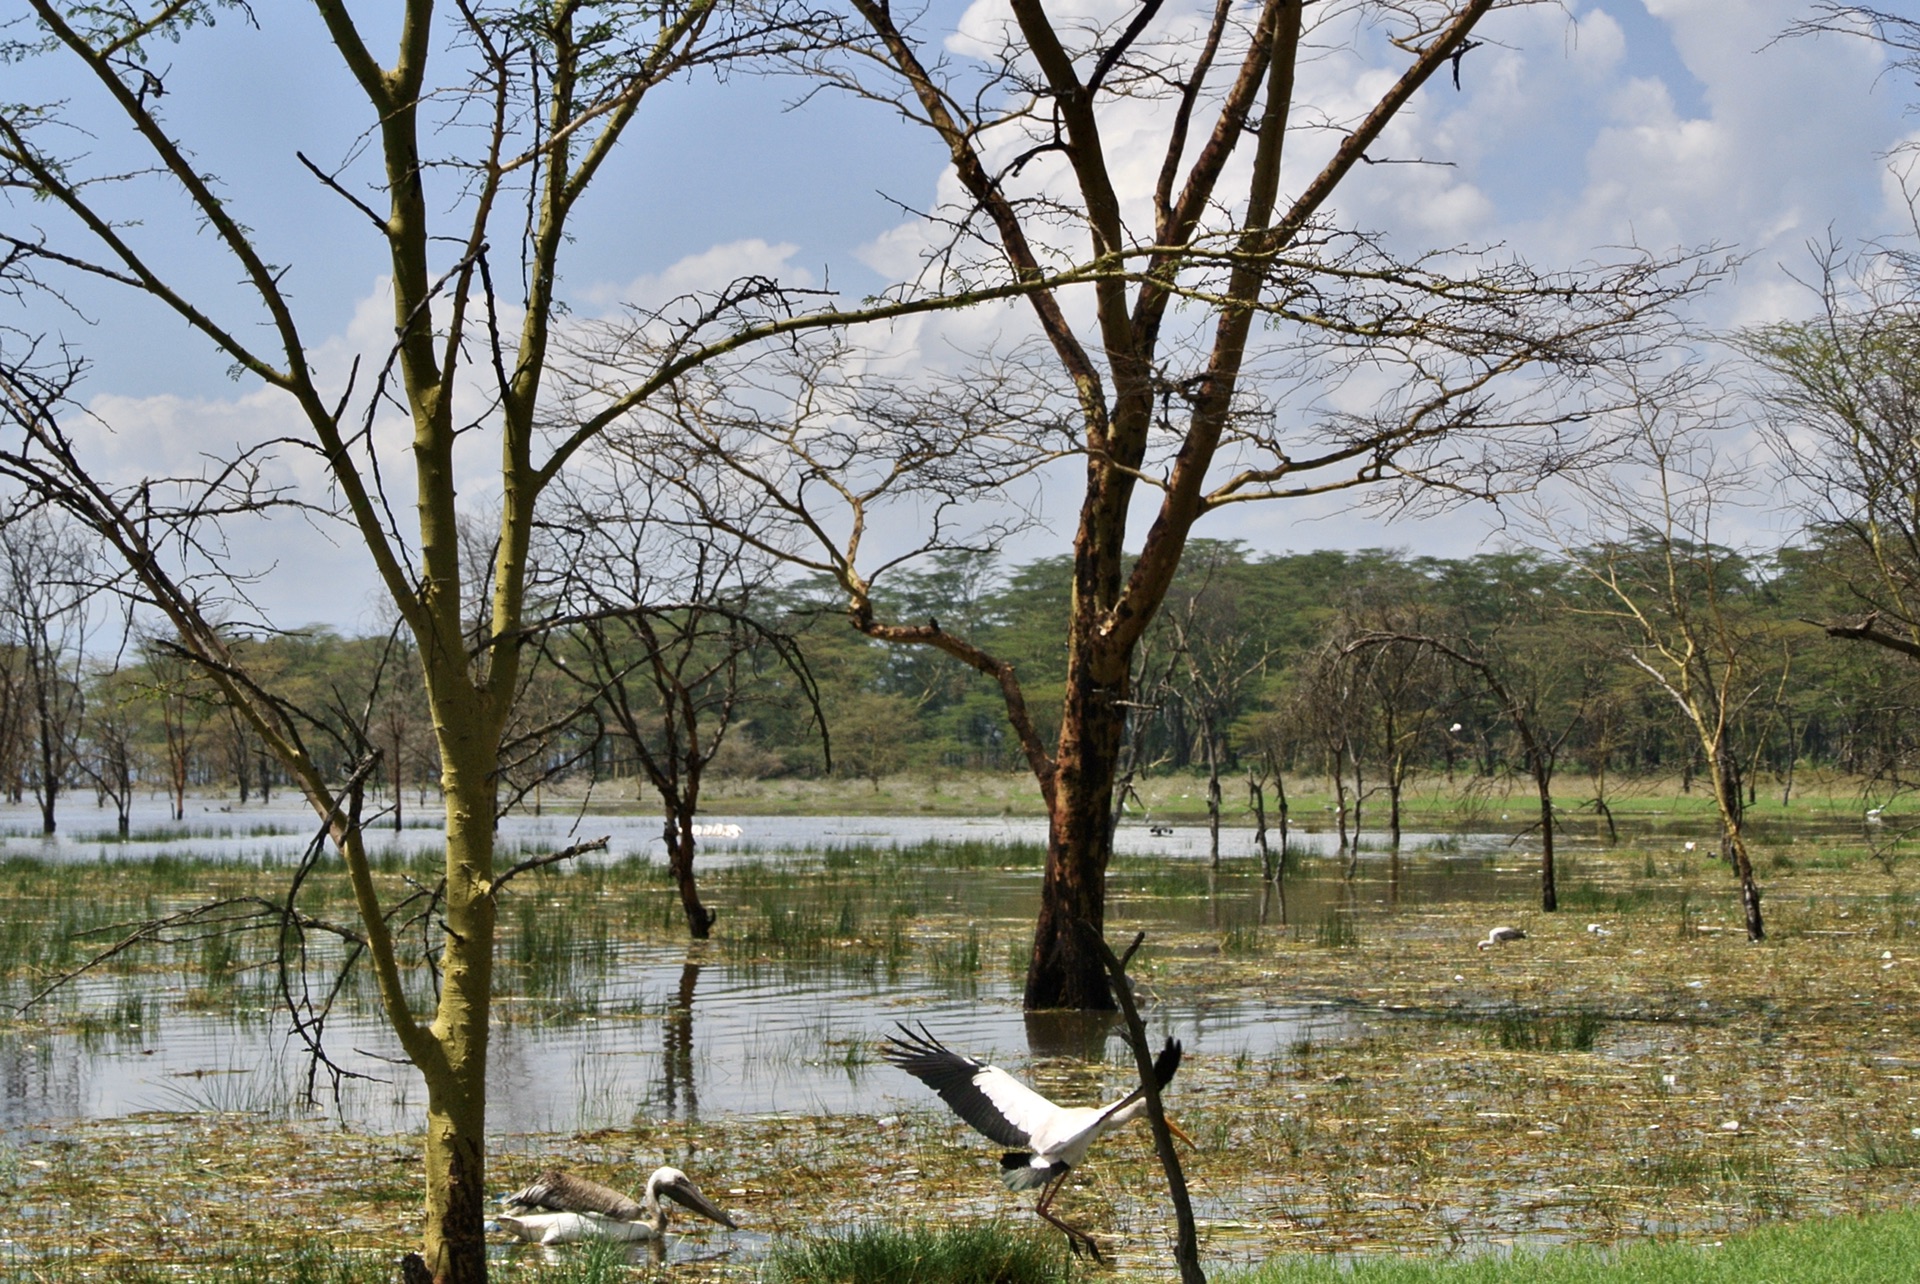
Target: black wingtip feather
(1167,1063)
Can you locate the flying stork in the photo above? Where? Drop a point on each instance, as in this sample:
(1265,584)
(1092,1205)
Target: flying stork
(560,1208)
(1055,1138)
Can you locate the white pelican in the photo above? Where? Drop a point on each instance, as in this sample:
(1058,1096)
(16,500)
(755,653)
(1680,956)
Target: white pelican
(1501,935)
(1056,1138)
(560,1208)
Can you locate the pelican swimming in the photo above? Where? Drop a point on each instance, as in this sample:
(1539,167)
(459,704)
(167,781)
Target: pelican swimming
(997,1104)
(560,1208)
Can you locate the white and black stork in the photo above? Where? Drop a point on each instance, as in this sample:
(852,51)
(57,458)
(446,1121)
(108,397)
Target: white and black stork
(559,1208)
(1054,1138)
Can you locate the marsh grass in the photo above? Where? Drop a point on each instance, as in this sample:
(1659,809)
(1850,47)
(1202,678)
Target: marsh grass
(1243,940)
(981,1253)
(1517,1029)
(935,853)
(1336,930)
(256,1263)
(1868,1149)
(956,957)
(1874,1250)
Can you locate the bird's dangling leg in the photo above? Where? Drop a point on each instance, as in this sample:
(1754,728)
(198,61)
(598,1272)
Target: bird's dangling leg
(1077,1239)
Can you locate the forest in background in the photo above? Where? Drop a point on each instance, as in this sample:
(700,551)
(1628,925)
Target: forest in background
(1359,670)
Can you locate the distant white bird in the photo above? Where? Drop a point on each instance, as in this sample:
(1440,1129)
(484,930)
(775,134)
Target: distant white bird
(1501,935)
(1056,1138)
(1598,930)
(1874,817)
(1455,728)
(560,1208)
(717,829)
(1688,846)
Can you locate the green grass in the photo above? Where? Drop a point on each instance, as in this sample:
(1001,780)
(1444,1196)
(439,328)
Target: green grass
(1880,1249)
(988,1253)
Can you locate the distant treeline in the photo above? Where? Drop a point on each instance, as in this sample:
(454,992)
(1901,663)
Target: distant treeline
(1358,666)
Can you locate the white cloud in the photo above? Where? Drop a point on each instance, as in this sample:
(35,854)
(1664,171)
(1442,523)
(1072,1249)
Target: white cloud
(710,270)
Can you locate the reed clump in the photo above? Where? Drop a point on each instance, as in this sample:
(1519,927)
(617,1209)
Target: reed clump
(982,1253)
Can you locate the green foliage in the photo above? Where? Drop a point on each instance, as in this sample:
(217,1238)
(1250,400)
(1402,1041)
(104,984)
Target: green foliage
(1249,652)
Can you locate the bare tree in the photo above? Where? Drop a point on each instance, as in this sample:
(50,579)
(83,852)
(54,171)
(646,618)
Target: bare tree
(1395,687)
(109,732)
(1543,693)
(669,640)
(1841,402)
(46,585)
(1188,345)
(1679,600)
(1220,655)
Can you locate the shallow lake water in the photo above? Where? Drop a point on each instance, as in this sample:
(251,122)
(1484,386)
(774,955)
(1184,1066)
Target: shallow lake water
(282,828)
(672,1032)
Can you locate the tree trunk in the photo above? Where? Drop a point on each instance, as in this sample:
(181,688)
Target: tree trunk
(49,759)
(1733,840)
(680,845)
(1213,799)
(1396,784)
(399,785)
(1549,896)
(1257,797)
(455,1244)
(1280,796)
(1339,776)
(1066,970)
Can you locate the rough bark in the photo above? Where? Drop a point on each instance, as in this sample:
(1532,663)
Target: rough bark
(680,850)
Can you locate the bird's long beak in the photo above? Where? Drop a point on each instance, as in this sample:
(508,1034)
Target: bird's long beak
(688,1195)
(1181,1133)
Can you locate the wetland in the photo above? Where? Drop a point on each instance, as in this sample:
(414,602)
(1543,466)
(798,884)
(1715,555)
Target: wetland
(1361,1079)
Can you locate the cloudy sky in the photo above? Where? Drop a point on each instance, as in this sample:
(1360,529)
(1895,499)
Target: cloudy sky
(1577,128)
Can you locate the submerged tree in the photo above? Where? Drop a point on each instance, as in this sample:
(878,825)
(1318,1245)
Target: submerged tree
(670,639)
(1218,336)
(46,591)
(1682,602)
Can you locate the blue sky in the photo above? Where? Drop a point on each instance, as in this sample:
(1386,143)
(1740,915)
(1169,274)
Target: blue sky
(1664,124)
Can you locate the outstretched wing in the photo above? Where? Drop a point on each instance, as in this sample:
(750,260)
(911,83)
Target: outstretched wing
(987,1097)
(565,1193)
